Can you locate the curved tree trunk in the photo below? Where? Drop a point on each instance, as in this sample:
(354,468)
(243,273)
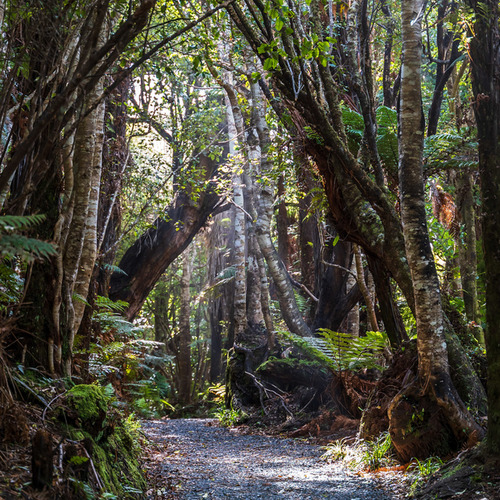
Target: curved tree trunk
(288,304)
(146,260)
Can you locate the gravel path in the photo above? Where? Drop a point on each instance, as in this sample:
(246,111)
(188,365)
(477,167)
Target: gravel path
(198,459)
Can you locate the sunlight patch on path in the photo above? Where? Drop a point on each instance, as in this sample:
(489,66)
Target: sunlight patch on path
(202,460)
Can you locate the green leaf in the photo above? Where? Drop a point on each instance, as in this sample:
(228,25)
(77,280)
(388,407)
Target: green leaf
(255,76)
(270,64)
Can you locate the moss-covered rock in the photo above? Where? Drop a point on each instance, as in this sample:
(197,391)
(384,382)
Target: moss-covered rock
(111,439)
(90,404)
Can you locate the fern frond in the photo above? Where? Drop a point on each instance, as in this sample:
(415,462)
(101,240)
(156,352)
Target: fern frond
(20,222)
(16,245)
(341,351)
(113,269)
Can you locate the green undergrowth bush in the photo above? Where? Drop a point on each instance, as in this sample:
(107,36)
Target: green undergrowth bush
(227,417)
(362,455)
(135,365)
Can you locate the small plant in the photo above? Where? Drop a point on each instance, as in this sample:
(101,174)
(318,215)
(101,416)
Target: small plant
(420,470)
(362,455)
(377,453)
(13,244)
(338,450)
(228,416)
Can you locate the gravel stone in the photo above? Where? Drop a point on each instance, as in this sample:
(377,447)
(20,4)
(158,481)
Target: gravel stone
(203,460)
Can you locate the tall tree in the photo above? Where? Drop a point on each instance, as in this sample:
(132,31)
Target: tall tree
(184,352)
(433,368)
(485,56)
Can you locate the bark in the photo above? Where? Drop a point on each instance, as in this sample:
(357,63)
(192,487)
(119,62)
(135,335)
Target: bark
(448,54)
(81,241)
(430,326)
(361,78)
(309,240)
(351,323)
(485,60)
(221,293)
(389,97)
(372,318)
(335,301)
(282,225)
(235,130)
(286,297)
(146,260)
(389,310)
(467,254)
(264,300)
(433,369)
(89,249)
(184,353)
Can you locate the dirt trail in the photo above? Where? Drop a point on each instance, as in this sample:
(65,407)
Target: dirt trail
(194,458)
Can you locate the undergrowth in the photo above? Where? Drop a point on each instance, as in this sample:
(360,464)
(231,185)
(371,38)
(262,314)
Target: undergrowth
(227,417)
(363,455)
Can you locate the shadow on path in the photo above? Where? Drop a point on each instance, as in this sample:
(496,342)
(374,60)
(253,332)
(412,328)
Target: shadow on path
(200,460)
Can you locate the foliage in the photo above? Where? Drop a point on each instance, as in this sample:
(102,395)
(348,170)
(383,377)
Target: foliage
(446,151)
(420,470)
(115,439)
(362,455)
(341,351)
(228,416)
(14,244)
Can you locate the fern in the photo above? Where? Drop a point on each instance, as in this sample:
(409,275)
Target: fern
(19,222)
(341,351)
(13,244)
(110,305)
(445,151)
(113,269)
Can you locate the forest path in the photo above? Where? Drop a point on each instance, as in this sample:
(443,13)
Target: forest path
(195,459)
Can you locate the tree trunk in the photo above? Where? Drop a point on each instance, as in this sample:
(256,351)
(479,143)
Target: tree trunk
(434,380)
(184,353)
(335,301)
(288,304)
(389,310)
(485,57)
(370,309)
(282,225)
(467,246)
(146,260)
(235,130)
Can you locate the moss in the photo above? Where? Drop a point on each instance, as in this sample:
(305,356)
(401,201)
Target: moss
(112,440)
(453,470)
(89,401)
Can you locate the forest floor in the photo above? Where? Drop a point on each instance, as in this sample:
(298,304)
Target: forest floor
(196,458)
